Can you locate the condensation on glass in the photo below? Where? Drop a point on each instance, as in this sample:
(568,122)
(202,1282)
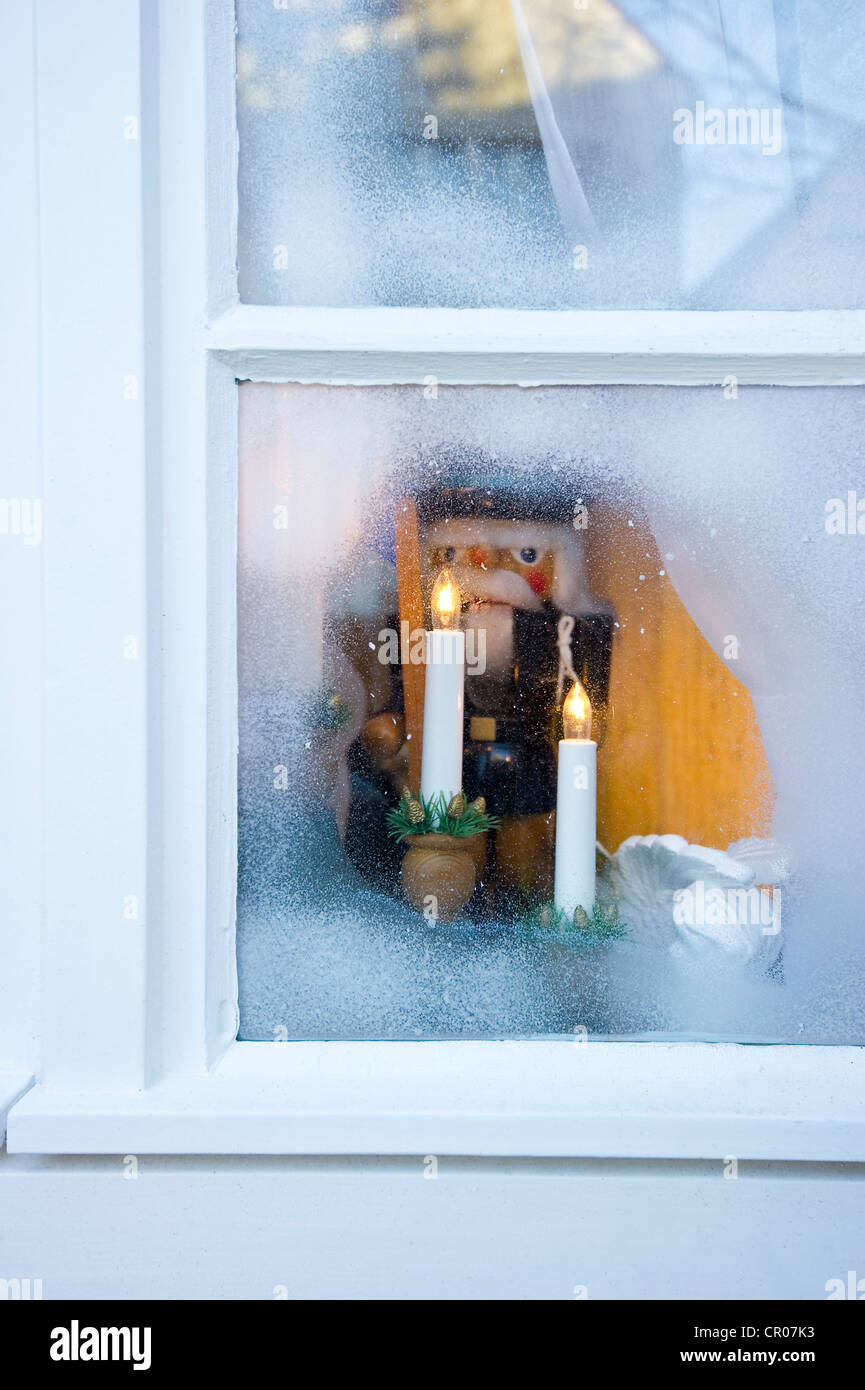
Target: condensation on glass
(547,154)
(716,539)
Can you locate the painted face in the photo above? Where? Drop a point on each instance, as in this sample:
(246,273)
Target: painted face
(517,576)
(499,566)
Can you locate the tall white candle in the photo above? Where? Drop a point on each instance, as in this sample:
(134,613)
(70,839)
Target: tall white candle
(576,807)
(445,657)
(442,760)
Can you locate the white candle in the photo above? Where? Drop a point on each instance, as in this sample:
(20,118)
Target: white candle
(445,657)
(575,807)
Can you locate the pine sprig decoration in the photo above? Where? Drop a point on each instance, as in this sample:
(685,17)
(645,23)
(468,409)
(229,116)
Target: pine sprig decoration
(418,815)
(328,710)
(583,929)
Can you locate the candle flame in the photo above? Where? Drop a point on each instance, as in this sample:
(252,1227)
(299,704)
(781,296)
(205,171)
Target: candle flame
(577,713)
(446,601)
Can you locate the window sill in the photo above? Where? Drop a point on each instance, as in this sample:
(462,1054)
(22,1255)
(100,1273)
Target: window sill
(510,1099)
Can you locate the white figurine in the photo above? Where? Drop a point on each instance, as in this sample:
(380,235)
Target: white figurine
(702,905)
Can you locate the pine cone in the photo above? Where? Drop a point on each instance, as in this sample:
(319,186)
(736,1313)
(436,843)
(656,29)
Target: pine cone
(479,804)
(457,806)
(405,795)
(610,914)
(582,918)
(416,813)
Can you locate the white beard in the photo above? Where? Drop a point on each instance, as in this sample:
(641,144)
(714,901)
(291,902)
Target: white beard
(493,597)
(497,622)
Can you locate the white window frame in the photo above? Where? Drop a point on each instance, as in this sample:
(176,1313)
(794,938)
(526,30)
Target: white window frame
(139,1014)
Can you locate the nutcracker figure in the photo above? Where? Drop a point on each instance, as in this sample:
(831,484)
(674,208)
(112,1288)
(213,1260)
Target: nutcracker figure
(531,624)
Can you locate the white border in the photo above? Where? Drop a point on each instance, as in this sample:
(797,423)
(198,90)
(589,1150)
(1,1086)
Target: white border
(21,805)
(100,370)
(139,1026)
(526,347)
(534,1098)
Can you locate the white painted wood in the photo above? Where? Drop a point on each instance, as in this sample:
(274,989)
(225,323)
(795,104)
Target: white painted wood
(534,1098)
(264,1099)
(12,1087)
(358,1229)
(97,371)
(20,554)
(140,755)
(199,510)
(203,36)
(343,1228)
(527,347)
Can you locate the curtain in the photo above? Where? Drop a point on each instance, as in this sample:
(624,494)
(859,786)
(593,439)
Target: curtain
(705,152)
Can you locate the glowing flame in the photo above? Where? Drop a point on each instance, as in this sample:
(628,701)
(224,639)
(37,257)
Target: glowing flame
(577,713)
(446,602)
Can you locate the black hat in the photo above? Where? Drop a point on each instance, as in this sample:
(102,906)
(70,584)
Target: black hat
(503,503)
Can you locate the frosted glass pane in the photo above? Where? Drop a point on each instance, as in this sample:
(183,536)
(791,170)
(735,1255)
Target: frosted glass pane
(542,154)
(718,540)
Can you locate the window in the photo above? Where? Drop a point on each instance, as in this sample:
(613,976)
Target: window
(595,495)
(140,1026)
(541,154)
